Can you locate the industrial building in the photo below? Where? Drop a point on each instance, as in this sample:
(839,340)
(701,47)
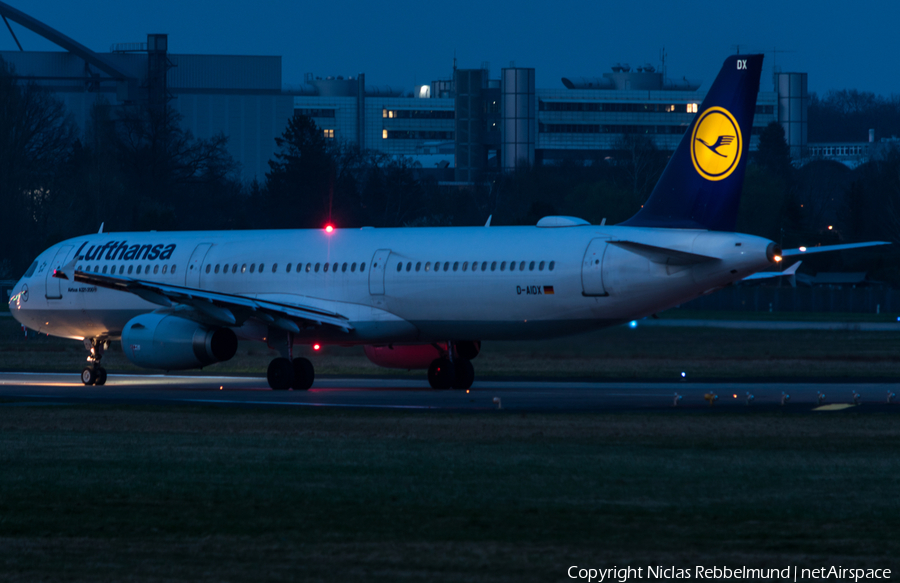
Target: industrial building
(469,121)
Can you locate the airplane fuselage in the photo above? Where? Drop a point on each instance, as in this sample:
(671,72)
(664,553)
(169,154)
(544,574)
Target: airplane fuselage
(397,285)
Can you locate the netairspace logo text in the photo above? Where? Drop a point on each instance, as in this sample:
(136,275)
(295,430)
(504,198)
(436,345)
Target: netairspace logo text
(623,574)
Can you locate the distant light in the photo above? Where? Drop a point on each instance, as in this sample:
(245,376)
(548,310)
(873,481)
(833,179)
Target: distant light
(220,388)
(802,249)
(632,324)
(734,395)
(830,227)
(317,346)
(683,374)
(329,228)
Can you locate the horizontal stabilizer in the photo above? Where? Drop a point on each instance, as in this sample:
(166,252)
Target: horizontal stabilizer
(827,248)
(662,254)
(769,274)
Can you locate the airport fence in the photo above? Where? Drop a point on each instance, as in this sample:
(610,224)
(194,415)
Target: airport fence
(872,300)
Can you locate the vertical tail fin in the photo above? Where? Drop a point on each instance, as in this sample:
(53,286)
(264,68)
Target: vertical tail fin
(701,185)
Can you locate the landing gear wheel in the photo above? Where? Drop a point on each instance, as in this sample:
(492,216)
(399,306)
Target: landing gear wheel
(441,374)
(88,375)
(465,374)
(304,374)
(280,374)
(101,376)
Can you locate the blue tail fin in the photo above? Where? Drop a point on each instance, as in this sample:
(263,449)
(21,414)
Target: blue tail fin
(701,185)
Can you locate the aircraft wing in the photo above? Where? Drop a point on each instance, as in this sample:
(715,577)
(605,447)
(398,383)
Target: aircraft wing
(826,248)
(215,307)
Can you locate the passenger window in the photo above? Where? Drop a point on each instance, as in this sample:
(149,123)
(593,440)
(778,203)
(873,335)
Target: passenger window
(465,265)
(275,268)
(484,265)
(353,267)
(234,268)
(286,269)
(428,266)
(399,266)
(494,266)
(35,263)
(138,270)
(531,266)
(155,269)
(512,266)
(208,268)
(173,269)
(334,267)
(418,265)
(166,268)
(455,265)
(362,267)
(216,270)
(522,266)
(343,268)
(437,266)
(130,269)
(541,266)
(308,267)
(121,269)
(244,268)
(326,267)
(446,266)
(317,267)
(552,264)
(503,266)
(261,265)
(253,267)
(409,266)
(104,268)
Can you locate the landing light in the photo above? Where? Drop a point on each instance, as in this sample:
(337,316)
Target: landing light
(802,249)
(778,258)
(329,228)
(633,323)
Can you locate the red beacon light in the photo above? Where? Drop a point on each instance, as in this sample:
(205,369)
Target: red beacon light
(329,228)
(317,347)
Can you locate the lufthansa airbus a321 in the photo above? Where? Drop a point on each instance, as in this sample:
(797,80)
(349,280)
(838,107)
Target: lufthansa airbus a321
(413,297)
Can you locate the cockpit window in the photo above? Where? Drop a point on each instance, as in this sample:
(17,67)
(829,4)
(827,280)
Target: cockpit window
(31,269)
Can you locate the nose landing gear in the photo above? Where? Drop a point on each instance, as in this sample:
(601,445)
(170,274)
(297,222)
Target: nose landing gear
(93,373)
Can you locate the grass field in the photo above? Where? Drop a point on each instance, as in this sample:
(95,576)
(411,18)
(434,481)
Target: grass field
(617,353)
(206,494)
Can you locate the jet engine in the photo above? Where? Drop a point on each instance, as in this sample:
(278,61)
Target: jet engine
(169,342)
(410,356)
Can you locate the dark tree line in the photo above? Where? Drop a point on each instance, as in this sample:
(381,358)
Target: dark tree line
(134,168)
(848,115)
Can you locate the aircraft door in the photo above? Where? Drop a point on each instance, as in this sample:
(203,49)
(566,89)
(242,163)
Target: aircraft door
(592,268)
(376,272)
(192,273)
(53,286)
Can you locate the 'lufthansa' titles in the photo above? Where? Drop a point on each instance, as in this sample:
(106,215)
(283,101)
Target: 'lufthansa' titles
(716,144)
(122,251)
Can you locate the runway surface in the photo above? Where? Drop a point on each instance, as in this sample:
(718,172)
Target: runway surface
(33,389)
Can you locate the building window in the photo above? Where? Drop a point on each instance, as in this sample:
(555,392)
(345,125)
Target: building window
(384,134)
(692,108)
(329,134)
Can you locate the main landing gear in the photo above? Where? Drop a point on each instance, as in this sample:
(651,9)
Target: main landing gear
(286,372)
(453,369)
(93,373)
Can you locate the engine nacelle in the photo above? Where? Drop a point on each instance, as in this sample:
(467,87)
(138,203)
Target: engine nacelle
(403,356)
(171,343)
(411,356)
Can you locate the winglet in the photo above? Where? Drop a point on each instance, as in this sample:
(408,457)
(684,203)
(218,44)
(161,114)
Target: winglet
(488,223)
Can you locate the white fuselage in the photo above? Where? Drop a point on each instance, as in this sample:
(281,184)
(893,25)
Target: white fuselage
(385,281)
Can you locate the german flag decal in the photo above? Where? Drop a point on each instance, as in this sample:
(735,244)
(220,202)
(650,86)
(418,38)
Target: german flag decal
(548,290)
